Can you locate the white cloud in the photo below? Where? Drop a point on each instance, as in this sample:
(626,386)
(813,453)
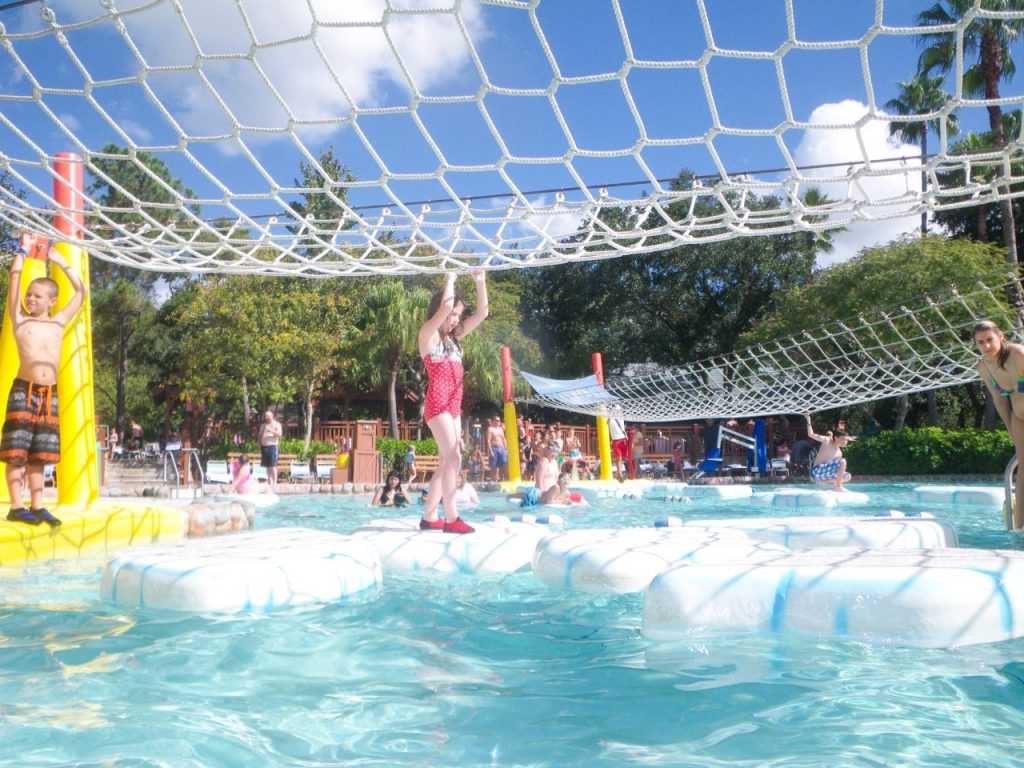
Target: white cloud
(271,61)
(849,145)
(547,219)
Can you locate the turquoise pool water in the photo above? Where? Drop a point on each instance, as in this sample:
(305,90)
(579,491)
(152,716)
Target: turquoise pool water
(460,670)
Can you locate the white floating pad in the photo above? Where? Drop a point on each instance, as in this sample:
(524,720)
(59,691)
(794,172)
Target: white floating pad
(626,559)
(932,599)
(715,491)
(659,491)
(498,546)
(256,499)
(250,572)
(800,498)
(611,489)
(960,495)
(832,531)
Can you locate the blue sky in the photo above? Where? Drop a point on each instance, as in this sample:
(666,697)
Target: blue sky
(491,70)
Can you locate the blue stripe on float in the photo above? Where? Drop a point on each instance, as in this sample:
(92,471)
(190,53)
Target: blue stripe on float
(779,604)
(842,621)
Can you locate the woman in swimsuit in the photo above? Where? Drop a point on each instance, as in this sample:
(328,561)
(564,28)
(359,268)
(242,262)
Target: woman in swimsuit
(440,347)
(1002,369)
(390,494)
(244,482)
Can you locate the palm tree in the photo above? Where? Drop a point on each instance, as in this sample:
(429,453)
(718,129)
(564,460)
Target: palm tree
(482,360)
(921,96)
(390,318)
(990,39)
(819,241)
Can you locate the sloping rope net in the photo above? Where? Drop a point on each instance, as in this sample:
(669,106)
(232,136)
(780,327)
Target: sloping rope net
(461,153)
(840,364)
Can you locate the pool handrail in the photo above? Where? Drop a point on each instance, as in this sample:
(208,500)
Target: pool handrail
(1009,486)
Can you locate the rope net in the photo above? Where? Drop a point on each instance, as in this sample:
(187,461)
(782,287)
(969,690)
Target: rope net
(891,353)
(403,137)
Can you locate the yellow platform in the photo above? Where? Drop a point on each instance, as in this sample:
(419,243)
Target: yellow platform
(104,526)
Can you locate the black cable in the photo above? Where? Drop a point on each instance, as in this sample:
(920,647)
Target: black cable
(17,4)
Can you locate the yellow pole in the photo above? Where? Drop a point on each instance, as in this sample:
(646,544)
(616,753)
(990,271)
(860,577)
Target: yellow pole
(77,474)
(604,441)
(515,472)
(604,447)
(511,429)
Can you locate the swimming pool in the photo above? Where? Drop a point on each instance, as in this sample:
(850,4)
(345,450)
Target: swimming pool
(473,670)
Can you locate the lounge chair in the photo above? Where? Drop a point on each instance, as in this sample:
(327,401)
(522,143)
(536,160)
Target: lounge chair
(218,472)
(298,472)
(323,471)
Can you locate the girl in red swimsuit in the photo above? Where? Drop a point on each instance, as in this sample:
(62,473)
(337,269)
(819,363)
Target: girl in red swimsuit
(439,346)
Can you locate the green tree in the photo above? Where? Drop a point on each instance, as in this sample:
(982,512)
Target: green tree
(920,96)
(262,339)
(389,319)
(902,273)
(134,189)
(687,302)
(323,211)
(980,221)
(990,40)
(119,311)
(8,233)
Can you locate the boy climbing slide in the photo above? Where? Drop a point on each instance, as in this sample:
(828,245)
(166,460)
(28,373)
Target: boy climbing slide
(30,438)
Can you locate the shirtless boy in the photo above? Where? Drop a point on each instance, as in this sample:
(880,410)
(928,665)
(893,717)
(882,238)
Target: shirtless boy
(31,436)
(829,463)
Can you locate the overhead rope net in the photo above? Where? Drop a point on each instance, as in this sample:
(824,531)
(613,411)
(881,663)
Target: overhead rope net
(414,136)
(840,364)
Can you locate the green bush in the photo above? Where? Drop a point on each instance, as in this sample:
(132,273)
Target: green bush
(295,446)
(931,451)
(393,451)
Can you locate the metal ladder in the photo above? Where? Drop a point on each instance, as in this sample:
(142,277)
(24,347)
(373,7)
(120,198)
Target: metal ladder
(195,470)
(1010,486)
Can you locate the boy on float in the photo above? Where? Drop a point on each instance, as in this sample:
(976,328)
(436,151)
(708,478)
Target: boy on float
(440,347)
(31,434)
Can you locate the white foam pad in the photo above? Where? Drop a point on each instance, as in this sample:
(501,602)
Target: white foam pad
(799,497)
(927,598)
(258,571)
(715,491)
(834,531)
(959,495)
(499,546)
(626,559)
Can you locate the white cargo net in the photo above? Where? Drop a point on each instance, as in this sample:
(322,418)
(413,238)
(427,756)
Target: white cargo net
(840,364)
(441,131)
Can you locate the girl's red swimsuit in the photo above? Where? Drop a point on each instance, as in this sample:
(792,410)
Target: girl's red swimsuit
(444,380)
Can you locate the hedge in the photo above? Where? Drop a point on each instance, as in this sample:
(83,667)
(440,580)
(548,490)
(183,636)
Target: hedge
(930,451)
(295,446)
(393,451)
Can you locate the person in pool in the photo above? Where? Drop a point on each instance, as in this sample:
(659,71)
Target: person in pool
(390,494)
(244,482)
(829,464)
(1001,368)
